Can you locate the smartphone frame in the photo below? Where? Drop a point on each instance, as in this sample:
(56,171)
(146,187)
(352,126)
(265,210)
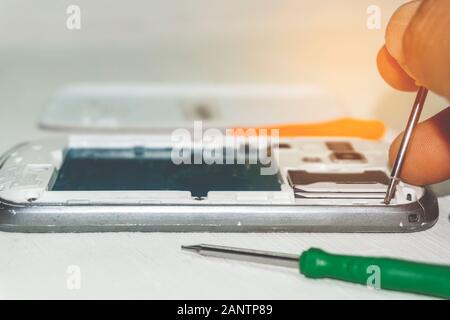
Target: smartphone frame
(239,217)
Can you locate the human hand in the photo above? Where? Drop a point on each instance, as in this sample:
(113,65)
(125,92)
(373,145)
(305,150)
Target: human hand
(417,53)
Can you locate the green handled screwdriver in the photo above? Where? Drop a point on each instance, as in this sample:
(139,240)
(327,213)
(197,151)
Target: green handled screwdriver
(394,274)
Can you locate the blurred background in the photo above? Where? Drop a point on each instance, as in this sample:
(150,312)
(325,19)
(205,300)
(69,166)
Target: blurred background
(321,42)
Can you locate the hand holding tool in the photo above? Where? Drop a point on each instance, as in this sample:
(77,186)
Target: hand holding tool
(412,122)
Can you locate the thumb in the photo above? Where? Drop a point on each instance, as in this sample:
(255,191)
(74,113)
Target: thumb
(427,159)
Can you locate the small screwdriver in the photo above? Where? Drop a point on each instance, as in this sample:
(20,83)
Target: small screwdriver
(394,274)
(412,122)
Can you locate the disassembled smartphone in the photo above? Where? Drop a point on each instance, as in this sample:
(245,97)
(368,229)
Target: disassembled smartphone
(124,182)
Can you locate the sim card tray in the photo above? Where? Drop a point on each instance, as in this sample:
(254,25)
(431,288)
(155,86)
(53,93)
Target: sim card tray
(348,185)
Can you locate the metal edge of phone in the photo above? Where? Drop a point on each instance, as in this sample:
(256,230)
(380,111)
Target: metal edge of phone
(416,216)
(31,217)
(38,218)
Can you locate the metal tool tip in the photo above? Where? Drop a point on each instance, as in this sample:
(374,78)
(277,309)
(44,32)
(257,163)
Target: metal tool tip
(390,191)
(194,248)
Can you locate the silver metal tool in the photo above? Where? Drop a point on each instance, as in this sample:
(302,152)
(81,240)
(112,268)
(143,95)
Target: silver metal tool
(412,122)
(398,275)
(264,257)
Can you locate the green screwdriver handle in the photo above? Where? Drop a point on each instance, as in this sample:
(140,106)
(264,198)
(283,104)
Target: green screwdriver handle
(393,274)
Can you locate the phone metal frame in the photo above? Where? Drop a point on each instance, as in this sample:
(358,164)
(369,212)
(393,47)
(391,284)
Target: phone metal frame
(34,217)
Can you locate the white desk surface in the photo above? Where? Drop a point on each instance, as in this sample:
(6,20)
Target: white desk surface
(151,265)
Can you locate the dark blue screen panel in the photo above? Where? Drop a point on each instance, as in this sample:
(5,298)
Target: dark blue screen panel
(153,169)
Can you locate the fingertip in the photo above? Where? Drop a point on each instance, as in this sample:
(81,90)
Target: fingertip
(393,73)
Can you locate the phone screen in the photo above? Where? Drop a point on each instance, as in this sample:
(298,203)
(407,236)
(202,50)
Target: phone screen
(153,169)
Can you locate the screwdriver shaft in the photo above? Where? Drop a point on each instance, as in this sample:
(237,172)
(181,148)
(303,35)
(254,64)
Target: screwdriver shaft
(412,122)
(264,257)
